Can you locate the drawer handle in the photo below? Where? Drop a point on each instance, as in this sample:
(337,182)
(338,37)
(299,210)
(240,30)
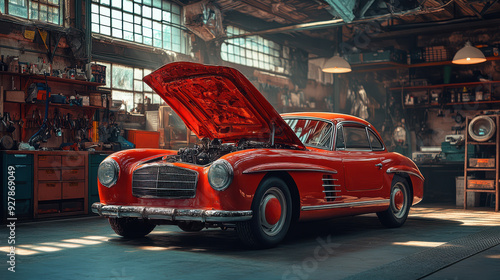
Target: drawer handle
(20,156)
(51,185)
(73,184)
(20,165)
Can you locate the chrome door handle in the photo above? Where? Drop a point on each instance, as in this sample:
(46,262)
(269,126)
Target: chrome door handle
(379,165)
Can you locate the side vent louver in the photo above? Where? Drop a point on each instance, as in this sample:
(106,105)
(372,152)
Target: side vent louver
(331,188)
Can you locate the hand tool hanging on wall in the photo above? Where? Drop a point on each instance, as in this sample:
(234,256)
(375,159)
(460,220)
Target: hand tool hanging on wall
(43,134)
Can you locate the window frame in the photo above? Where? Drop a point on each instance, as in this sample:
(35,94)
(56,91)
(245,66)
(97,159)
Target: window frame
(259,50)
(144,92)
(334,129)
(367,130)
(144,26)
(38,3)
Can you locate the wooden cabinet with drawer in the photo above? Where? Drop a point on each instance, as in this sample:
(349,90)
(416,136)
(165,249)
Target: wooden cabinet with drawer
(49,191)
(60,181)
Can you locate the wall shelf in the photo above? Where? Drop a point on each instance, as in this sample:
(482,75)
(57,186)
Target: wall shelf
(391,65)
(53,79)
(447,95)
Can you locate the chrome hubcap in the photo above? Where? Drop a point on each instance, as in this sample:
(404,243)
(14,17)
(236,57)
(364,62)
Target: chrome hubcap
(399,197)
(272,211)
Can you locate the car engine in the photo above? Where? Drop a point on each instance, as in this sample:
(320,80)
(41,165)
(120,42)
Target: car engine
(209,150)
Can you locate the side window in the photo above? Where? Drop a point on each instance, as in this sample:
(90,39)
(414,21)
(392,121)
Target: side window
(356,138)
(375,142)
(315,133)
(339,142)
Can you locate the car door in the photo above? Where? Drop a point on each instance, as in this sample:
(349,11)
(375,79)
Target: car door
(362,164)
(317,135)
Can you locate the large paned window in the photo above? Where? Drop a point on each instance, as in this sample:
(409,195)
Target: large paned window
(127,86)
(40,10)
(156,23)
(255,51)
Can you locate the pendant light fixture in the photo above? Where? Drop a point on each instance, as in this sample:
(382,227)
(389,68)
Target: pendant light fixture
(469,55)
(337,64)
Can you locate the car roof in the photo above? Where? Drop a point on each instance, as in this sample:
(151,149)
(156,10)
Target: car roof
(333,117)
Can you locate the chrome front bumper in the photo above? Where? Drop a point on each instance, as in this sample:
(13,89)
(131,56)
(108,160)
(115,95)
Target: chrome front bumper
(171,214)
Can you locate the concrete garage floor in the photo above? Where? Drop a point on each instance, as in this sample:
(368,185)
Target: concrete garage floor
(435,243)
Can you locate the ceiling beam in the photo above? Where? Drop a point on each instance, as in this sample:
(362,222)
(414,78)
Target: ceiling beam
(260,6)
(295,27)
(436,27)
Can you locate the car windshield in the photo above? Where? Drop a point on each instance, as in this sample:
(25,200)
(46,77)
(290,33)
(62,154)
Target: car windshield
(315,133)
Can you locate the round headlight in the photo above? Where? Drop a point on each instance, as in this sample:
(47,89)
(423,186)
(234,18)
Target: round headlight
(220,175)
(108,172)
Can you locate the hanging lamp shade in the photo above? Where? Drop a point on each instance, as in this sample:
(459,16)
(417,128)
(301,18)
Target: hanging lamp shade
(469,55)
(336,64)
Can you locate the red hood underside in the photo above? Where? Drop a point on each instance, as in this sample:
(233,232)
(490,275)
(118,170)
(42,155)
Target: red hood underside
(219,102)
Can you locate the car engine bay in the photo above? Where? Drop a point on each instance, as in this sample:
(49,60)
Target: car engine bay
(209,150)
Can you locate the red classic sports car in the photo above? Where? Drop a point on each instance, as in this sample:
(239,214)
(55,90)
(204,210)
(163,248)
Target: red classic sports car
(253,170)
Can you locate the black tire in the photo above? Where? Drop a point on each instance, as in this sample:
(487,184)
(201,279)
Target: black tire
(395,216)
(260,232)
(191,226)
(131,227)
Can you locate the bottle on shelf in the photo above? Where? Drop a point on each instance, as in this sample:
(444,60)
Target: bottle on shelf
(3,65)
(14,65)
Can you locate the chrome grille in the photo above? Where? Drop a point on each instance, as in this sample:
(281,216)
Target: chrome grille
(330,185)
(164,181)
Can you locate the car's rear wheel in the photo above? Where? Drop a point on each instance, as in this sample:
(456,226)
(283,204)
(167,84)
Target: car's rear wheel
(272,215)
(400,203)
(131,227)
(191,226)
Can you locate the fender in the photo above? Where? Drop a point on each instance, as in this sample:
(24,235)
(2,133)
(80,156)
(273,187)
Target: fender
(406,169)
(288,166)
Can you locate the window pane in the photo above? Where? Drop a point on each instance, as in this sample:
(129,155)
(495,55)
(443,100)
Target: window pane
(127,99)
(138,85)
(356,138)
(157,99)
(128,6)
(138,99)
(2,5)
(122,77)
(375,142)
(339,142)
(18,8)
(116,3)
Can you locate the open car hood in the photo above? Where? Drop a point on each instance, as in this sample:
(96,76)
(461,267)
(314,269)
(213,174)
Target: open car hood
(219,102)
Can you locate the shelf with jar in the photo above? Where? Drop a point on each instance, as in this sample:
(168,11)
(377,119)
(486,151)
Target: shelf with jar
(428,96)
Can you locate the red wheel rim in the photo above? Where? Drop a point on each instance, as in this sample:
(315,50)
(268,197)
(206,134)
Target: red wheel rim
(399,199)
(273,211)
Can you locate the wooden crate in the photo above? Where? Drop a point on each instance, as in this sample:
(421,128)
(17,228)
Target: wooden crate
(482,162)
(481,184)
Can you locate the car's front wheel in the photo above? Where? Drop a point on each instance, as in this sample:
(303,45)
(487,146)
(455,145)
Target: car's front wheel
(400,202)
(131,227)
(272,215)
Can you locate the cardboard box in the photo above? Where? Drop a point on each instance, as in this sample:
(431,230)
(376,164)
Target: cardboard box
(15,96)
(95,99)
